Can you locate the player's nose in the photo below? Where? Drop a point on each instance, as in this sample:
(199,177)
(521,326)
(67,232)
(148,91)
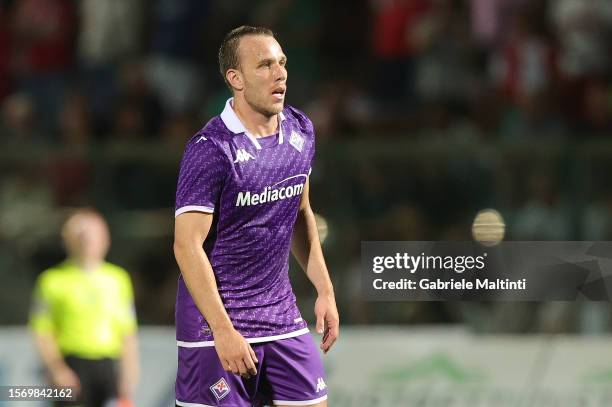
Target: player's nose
(280,73)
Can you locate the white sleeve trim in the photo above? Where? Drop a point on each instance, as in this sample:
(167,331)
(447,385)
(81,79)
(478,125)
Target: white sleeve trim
(204,344)
(196,208)
(301,402)
(185,404)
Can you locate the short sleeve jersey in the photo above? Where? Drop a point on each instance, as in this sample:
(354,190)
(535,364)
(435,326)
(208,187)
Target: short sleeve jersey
(88,313)
(253,188)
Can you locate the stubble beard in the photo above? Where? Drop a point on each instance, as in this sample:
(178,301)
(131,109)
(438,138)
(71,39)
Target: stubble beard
(260,107)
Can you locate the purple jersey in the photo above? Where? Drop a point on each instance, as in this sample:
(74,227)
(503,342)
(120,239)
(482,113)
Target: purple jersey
(253,187)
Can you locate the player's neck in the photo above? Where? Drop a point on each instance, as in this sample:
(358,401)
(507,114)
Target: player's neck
(256,123)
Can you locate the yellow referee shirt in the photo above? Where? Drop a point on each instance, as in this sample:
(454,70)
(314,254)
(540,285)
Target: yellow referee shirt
(88,313)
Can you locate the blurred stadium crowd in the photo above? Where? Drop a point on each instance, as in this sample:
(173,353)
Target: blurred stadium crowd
(74,71)
(426,111)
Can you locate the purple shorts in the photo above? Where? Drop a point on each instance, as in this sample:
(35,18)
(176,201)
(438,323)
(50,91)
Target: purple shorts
(289,372)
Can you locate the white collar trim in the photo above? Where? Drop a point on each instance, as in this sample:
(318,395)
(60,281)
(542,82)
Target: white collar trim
(233,123)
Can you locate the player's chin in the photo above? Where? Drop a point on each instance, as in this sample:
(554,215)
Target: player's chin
(276,107)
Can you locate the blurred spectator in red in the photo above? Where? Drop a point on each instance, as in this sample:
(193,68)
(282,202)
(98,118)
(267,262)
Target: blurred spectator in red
(525,71)
(177,30)
(526,63)
(43,35)
(111,32)
(393,50)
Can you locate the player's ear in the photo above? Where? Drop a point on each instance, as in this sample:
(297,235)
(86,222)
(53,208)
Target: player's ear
(234,78)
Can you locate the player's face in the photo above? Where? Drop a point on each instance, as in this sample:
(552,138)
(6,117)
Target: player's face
(262,64)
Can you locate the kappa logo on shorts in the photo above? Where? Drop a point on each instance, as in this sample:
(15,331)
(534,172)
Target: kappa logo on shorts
(220,389)
(296,141)
(320,384)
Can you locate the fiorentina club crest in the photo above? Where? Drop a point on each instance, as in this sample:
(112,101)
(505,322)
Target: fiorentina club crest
(220,389)
(296,141)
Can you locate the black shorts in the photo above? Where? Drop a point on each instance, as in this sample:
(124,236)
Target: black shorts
(98,381)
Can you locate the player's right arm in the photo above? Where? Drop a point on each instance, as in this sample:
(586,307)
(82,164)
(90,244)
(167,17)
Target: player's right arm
(204,168)
(190,231)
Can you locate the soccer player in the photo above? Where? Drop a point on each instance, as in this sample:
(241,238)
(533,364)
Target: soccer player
(83,317)
(241,206)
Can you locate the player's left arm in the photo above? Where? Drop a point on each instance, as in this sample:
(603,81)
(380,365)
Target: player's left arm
(306,248)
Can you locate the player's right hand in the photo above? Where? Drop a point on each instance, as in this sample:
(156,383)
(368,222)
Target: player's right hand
(235,353)
(65,377)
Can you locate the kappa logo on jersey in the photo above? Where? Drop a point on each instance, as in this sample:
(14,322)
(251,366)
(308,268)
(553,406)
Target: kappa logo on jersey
(320,385)
(242,156)
(296,141)
(220,389)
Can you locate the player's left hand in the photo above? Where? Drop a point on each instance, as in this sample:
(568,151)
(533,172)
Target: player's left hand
(328,321)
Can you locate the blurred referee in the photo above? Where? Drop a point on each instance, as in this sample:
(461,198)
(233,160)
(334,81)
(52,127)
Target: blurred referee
(83,317)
